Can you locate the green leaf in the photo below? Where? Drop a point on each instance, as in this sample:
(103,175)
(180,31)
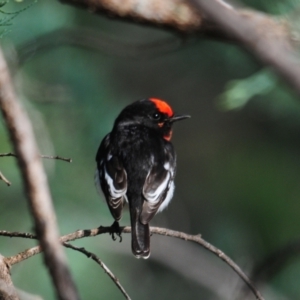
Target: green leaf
(239,92)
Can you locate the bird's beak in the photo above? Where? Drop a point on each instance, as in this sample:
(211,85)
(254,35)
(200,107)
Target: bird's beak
(178,118)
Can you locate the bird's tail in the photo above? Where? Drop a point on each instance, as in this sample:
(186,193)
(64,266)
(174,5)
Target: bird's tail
(140,235)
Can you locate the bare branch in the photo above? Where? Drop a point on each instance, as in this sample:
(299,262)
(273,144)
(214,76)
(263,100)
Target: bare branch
(57,157)
(35,250)
(103,266)
(198,239)
(23,295)
(7,289)
(2,177)
(18,234)
(154,230)
(35,183)
(268,38)
(41,155)
(178,14)
(7,154)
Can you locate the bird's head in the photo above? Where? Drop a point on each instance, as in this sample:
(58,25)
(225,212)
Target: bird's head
(153,113)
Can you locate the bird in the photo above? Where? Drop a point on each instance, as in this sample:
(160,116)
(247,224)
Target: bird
(136,164)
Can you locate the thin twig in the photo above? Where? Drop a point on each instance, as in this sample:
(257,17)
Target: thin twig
(35,184)
(37,249)
(41,155)
(57,157)
(7,154)
(2,177)
(154,230)
(199,240)
(103,266)
(26,235)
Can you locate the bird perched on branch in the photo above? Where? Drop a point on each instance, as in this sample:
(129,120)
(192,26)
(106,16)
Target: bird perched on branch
(136,163)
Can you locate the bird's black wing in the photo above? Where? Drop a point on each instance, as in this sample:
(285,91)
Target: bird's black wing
(159,185)
(112,177)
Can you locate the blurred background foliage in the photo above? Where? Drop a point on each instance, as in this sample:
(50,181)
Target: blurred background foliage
(238,156)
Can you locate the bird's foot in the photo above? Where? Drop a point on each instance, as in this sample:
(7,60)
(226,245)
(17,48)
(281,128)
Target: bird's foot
(116,229)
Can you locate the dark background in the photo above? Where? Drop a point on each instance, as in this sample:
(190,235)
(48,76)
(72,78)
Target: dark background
(238,156)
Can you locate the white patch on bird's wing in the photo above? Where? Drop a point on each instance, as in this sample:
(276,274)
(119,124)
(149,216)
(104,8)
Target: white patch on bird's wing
(125,197)
(152,159)
(168,198)
(167,165)
(109,156)
(114,193)
(154,196)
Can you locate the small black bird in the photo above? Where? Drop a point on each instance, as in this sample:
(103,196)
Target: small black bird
(136,163)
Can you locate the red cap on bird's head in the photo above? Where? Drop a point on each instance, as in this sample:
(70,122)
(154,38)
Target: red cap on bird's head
(162,106)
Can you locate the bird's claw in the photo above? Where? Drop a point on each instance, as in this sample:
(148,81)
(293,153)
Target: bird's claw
(115,229)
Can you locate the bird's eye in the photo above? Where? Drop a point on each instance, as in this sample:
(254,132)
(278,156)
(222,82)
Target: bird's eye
(156,116)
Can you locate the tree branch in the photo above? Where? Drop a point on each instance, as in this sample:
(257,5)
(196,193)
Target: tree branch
(177,14)
(103,266)
(154,230)
(35,183)
(7,289)
(41,155)
(266,37)
(199,240)
(3,178)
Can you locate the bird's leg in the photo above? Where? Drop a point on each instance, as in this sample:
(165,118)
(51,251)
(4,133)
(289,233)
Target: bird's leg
(116,229)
